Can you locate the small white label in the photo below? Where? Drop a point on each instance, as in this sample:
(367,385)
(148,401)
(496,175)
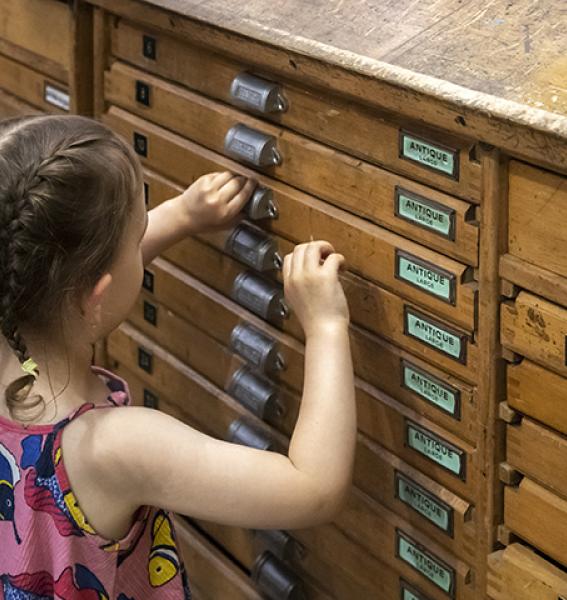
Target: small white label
(57,97)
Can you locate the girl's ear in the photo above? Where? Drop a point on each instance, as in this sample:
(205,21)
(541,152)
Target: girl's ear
(92,304)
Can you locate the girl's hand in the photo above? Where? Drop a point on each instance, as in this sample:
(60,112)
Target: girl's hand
(312,287)
(214,201)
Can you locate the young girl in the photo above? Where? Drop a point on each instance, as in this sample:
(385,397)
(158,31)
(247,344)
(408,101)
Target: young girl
(82,474)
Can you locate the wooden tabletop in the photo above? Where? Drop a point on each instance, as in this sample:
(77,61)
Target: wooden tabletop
(501,56)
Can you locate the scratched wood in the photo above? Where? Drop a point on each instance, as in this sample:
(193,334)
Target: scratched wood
(518,573)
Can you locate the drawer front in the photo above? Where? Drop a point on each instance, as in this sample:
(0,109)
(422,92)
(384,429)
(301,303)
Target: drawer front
(518,573)
(539,453)
(421,213)
(435,281)
(422,502)
(537,201)
(539,517)
(330,119)
(39,26)
(317,576)
(536,329)
(429,391)
(11,106)
(538,393)
(209,569)
(34,88)
(374,308)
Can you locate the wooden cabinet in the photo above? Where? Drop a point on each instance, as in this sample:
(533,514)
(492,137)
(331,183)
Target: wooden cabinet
(440,174)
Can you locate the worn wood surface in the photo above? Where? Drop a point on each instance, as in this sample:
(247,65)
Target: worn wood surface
(536,329)
(11,106)
(539,453)
(538,393)
(539,517)
(518,573)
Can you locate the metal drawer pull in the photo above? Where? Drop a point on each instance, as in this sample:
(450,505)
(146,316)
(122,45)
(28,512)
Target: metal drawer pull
(257,94)
(254,248)
(257,393)
(252,146)
(244,433)
(280,543)
(262,296)
(259,349)
(275,579)
(261,205)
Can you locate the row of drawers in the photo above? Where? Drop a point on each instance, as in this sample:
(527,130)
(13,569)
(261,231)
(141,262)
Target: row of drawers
(183,393)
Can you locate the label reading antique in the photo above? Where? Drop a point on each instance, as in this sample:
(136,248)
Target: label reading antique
(57,97)
(425,276)
(409,592)
(434,156)
(425,213)
(436,449)
(436,335)
(431,389)
(425,563)
(426,504)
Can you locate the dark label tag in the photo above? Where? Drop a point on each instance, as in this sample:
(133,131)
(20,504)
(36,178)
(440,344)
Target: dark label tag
(145,360)
(149,47)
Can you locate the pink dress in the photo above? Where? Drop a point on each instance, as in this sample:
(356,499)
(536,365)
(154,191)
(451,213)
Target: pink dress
(47,547)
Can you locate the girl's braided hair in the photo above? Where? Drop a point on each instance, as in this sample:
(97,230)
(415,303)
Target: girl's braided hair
(67,187)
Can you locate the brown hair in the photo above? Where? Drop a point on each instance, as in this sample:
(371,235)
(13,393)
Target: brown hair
(67,187)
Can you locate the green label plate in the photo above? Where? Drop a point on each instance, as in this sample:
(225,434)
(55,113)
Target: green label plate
(425,276)
(431,155)
(436,449)
(432,390)
(423,502)
(432,333)
(408,592)
(425,213)
(424,562)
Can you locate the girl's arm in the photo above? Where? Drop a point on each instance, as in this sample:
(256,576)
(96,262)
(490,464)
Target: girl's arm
(214,201)
(152,458)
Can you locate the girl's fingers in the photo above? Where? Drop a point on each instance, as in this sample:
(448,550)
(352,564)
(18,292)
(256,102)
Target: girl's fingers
(236,204)
(287,265)
(334,263)
(222,178)
(299,258)
(232,187)
(316,252)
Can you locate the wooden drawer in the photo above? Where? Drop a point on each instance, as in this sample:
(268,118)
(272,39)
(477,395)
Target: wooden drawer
(11,106)
(435,281)
(537,201)
(319,578)
(33,87)
(537,516)
(416,440)
(539,453)
(518,573)
(422,502)
(429,391)
(538,393)
(536,329)
(42,27)
(212,573)
(353,128)
(439,220)
(361,517)
(371,307)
